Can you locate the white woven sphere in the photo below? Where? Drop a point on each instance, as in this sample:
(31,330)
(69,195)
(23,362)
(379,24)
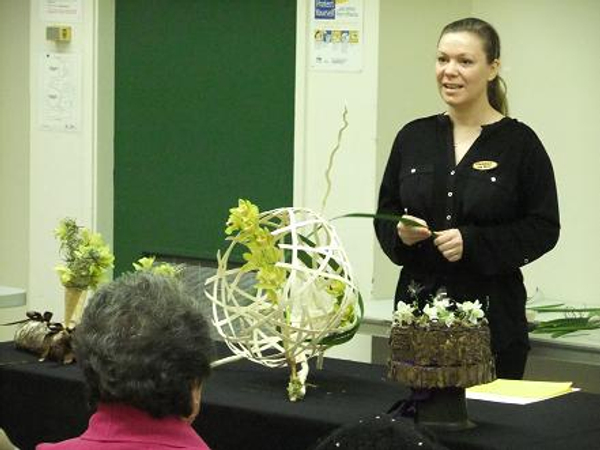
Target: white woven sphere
(305,316)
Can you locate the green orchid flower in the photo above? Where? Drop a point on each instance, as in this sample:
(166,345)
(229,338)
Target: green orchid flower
(148,264)
(244,220)
(336,288)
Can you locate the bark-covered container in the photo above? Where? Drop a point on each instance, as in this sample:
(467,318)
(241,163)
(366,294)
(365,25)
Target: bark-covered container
(438,356)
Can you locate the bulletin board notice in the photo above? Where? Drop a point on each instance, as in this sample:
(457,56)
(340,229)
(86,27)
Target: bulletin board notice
(60,91)
(336,35)
(65,11)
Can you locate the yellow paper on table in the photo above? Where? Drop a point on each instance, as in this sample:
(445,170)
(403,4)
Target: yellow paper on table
(519,391)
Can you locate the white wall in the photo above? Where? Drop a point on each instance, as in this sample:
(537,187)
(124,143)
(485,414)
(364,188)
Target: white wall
(320,101)
(47,175)
(14,143)
(408,34)
(549,59)
(551,66)
(71,172)
(14,152)
(550,63)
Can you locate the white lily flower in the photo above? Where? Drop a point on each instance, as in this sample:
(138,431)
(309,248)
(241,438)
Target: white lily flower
(442,307)
(404,313)
(431,312)
(448,319)
(471,311)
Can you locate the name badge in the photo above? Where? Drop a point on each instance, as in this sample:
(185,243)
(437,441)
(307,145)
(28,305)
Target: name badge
(485,165)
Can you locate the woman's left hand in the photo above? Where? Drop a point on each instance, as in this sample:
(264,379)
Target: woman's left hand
(450,244)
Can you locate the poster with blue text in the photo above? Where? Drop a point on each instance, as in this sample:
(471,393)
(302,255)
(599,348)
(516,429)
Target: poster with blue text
(336,35)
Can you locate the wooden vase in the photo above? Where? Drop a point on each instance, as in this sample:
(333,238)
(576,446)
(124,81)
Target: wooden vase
(74,303)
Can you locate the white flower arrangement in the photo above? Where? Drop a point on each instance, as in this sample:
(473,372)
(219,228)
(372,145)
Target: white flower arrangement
(440,310)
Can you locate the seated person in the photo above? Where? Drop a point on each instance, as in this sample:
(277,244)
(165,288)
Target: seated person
(145,351)
(382,432)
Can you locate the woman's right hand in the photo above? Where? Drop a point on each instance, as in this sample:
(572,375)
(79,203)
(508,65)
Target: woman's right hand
(411,235)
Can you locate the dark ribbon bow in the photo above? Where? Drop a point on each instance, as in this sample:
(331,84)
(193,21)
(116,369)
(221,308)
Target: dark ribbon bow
(53,327)
(56,327)
(32,315)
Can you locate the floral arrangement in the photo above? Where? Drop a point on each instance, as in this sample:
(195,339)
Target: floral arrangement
(264,254)
(566,319)
(575,319)
(149,264)
(441,310)
(572,320)
(86,256)
(294,295)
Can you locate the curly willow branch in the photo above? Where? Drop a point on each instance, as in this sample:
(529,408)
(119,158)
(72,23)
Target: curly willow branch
(331,156)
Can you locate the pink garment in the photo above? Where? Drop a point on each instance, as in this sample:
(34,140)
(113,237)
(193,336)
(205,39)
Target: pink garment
(121,427)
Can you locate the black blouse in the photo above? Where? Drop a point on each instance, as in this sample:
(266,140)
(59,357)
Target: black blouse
(501,196)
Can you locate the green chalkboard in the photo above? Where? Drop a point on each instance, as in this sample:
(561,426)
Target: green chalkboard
(204,115)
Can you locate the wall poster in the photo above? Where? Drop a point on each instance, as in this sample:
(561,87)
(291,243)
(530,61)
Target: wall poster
(60,92)
(64,11)
(336,35)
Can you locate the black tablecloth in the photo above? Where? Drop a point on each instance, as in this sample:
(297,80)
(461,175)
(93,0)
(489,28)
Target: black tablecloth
(245,407)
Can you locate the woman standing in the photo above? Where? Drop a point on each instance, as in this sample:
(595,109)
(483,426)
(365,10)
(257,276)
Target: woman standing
(482,185)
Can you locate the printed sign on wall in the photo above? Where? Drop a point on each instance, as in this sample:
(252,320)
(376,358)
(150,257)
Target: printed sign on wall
(336,38)
(60,92)
(65,11)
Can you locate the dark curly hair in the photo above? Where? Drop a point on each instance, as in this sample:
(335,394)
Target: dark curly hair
(381,432)
(143,341)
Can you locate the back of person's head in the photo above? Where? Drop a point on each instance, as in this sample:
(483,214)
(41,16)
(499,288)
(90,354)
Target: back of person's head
(491,46)
(381,432)
(143,341)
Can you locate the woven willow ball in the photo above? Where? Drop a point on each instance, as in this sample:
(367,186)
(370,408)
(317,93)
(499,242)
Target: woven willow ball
(305,317)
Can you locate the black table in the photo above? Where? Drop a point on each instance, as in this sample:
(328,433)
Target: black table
(245,407)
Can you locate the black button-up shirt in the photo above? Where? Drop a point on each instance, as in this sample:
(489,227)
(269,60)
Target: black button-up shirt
(501,196)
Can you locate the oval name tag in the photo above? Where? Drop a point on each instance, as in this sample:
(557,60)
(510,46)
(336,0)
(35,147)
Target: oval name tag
(485,165)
